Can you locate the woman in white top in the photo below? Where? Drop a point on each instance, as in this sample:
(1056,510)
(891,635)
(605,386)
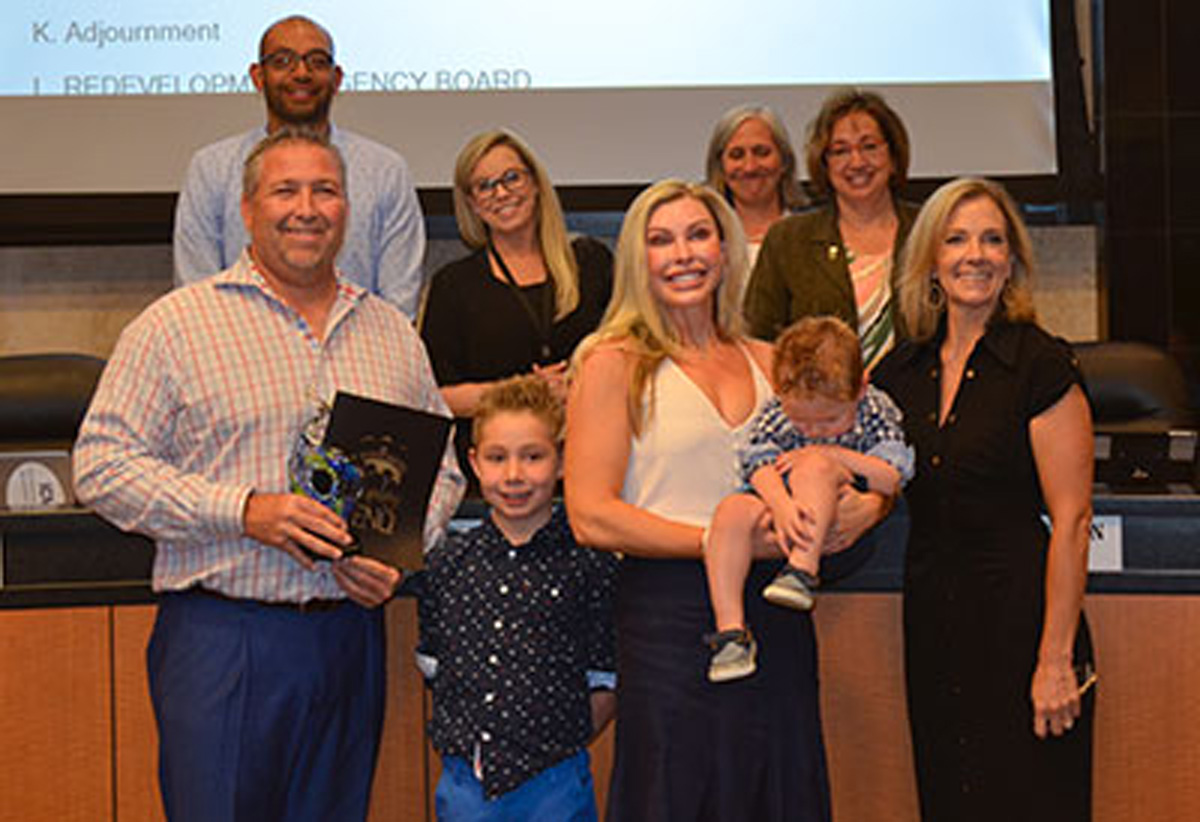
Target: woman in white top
(661,392)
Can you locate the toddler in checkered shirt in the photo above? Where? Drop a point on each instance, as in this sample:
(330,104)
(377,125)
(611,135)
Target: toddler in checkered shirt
(825,431)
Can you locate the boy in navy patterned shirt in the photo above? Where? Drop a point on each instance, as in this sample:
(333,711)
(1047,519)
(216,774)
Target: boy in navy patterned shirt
(516,630)
(827,429)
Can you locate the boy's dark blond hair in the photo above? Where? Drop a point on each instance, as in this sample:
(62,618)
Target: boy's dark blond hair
(818,356)
(525,393)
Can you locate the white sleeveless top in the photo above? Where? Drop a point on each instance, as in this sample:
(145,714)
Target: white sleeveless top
(684,462)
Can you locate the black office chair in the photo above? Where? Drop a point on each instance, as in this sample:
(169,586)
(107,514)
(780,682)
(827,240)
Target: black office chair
(43,397)
(1134,387)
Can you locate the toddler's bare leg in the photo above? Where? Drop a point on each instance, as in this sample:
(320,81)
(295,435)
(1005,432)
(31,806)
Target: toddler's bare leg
(727,557)
(814,483)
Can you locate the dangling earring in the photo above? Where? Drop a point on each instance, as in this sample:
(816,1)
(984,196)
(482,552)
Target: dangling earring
(1007,296)
(937,297)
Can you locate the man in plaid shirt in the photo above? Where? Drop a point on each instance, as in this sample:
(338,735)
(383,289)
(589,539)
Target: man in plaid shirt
(266,661)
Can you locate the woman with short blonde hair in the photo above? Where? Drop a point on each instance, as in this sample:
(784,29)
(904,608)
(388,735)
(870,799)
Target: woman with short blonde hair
(998,659)
(921,302)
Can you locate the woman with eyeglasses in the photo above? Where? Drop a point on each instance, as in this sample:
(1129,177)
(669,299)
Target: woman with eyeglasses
(526,295)
(840,259)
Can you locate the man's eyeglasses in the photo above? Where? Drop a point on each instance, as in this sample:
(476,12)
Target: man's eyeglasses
(515,180)
(316,60)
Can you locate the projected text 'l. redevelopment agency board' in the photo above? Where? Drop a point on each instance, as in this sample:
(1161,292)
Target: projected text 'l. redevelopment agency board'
(137,47)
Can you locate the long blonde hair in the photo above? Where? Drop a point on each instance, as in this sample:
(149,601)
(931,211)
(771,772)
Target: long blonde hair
(552,235)
(635,319)
(917,299)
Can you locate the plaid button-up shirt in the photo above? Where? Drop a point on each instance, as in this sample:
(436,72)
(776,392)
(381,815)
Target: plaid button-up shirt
(877,432)
(202,402)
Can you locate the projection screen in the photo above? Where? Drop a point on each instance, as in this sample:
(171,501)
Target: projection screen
(104,97)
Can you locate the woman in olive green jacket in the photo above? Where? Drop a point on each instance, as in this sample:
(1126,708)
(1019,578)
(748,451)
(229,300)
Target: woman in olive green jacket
(842,258)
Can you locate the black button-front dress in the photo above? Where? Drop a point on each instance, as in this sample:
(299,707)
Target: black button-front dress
(974,583)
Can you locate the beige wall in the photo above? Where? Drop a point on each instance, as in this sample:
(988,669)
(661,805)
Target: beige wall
(78,298)
(1066,290)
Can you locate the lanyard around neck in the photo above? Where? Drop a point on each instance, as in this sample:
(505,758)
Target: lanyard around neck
(541,317)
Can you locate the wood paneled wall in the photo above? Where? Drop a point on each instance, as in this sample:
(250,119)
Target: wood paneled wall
(77,738)
(55,716)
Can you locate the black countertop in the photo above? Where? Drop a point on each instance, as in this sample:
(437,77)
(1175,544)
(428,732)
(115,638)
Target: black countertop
(72,557)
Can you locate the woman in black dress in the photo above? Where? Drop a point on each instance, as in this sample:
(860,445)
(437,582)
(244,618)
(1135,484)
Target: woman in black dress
(526,295)
(997,654)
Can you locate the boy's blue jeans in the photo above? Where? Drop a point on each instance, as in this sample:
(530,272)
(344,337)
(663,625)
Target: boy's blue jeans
(562,793)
